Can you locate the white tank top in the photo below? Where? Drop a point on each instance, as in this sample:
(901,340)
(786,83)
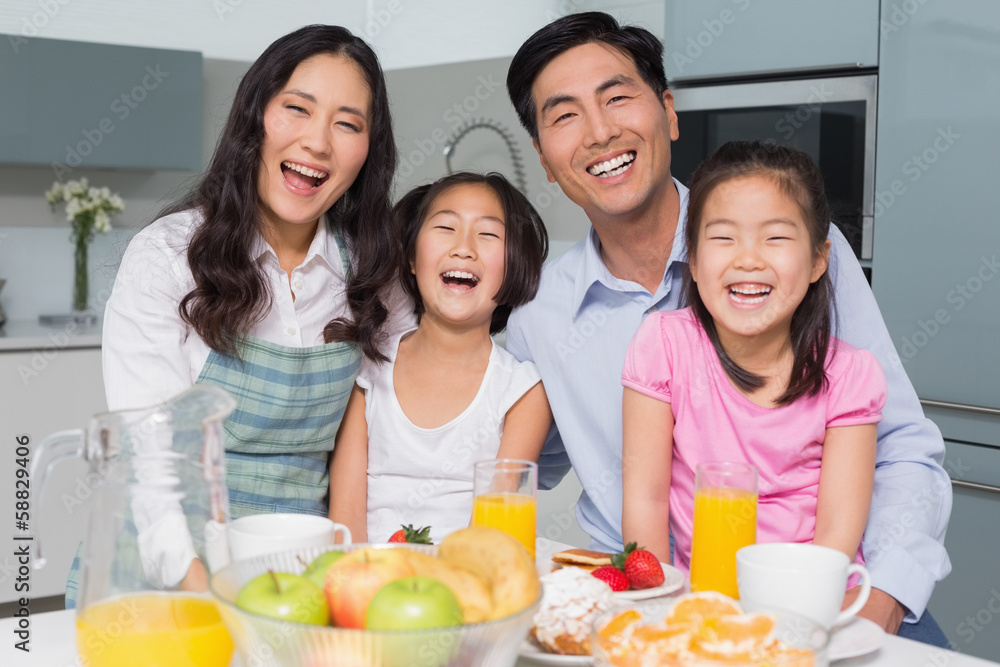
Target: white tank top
(423,476)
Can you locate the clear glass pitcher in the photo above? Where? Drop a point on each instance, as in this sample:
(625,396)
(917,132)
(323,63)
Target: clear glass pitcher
(157,527)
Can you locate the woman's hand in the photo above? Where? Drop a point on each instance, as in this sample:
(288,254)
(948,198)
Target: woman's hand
(196,579)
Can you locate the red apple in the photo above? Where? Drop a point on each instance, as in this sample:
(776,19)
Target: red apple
(352,582)
(413,603)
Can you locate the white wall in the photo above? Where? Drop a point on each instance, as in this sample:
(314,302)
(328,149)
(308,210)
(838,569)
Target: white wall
(406,33)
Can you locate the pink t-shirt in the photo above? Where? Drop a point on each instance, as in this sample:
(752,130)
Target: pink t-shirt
(671,359)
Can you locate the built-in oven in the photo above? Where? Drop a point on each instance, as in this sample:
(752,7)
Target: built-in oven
(832,118)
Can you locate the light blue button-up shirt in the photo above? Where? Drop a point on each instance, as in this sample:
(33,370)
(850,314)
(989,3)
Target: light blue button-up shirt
(577,330)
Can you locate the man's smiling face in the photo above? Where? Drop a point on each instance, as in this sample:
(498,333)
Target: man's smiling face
(603,134)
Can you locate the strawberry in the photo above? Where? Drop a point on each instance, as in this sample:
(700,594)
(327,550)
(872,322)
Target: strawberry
(412,535)
(640,566)
(612,576)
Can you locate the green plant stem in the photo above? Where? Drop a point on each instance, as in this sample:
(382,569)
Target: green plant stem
(80,286)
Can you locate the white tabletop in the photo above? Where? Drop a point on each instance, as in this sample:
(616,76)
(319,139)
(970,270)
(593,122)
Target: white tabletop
(53,645)
(53,642)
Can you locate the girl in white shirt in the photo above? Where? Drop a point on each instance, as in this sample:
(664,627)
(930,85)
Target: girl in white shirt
(473,249)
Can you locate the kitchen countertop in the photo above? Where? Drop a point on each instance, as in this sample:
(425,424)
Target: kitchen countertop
(27,335)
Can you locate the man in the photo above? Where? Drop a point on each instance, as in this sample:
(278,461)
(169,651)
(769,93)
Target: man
(593,96)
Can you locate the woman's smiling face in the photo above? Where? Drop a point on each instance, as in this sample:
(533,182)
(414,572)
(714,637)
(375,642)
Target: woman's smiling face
(316,132)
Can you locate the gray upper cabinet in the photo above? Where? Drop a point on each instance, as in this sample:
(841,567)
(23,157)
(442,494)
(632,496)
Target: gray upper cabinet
(723,38)
(75,104)
(936,239)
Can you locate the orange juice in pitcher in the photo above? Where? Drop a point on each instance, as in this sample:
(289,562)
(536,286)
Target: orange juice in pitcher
(725,520)
(153,630)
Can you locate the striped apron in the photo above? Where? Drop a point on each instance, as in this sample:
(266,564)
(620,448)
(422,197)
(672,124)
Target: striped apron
(289,404)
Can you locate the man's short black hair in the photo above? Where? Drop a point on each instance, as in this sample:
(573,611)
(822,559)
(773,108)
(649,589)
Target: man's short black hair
(568,32)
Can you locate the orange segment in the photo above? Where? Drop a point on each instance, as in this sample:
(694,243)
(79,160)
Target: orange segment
(697,606)
(735,634)
(619,623)
(792,657)
(664,639)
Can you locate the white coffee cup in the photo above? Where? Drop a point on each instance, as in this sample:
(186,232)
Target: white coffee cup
(806,579)
(261,534)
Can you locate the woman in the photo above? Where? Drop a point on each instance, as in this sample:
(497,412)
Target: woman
(268,279)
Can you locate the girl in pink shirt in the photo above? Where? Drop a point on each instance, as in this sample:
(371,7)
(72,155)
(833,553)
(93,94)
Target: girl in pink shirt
(749,371)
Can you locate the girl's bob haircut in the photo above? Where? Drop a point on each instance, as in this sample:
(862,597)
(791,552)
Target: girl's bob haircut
(526,243)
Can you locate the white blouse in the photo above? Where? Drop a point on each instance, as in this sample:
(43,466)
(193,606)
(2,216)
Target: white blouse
(150,354)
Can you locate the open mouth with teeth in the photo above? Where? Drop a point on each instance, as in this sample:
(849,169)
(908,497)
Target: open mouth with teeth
(749,294)
(462,279)
(612,167)
(302,177)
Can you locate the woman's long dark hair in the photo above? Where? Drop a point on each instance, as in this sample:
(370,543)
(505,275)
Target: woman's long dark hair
(799,178)
(231,294)
(526,242)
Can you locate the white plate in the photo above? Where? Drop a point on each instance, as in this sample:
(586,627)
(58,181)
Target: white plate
(673,580)
(858,636)
(532,652)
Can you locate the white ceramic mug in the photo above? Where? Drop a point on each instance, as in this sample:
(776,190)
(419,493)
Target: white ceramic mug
(806,579)
(261,534)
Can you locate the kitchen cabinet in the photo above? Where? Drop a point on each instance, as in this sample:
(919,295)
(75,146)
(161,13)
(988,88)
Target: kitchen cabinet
(47,389)
(69,105)
(936,241)
(935,265)
(726,38)
(967,603)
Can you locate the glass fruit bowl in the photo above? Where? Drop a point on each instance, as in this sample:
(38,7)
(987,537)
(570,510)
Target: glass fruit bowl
(261,640)
(635,636)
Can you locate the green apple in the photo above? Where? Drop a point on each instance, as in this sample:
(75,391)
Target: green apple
(316,570)
(352,582)
(413,603)
(287,597)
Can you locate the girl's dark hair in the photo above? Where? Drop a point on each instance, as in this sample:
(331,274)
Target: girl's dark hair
(563,34)
(231,293)
(798,177)
(526,243)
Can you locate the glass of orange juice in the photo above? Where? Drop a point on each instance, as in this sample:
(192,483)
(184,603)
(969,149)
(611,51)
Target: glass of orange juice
(725,519)
(505,497)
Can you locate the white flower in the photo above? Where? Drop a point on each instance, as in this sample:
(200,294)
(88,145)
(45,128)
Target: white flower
(86,203)
(102,222)
(72,209)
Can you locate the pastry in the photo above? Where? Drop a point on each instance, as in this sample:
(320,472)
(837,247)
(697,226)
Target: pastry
(571,598)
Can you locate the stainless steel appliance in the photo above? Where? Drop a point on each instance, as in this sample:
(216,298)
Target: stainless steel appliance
(832,118)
